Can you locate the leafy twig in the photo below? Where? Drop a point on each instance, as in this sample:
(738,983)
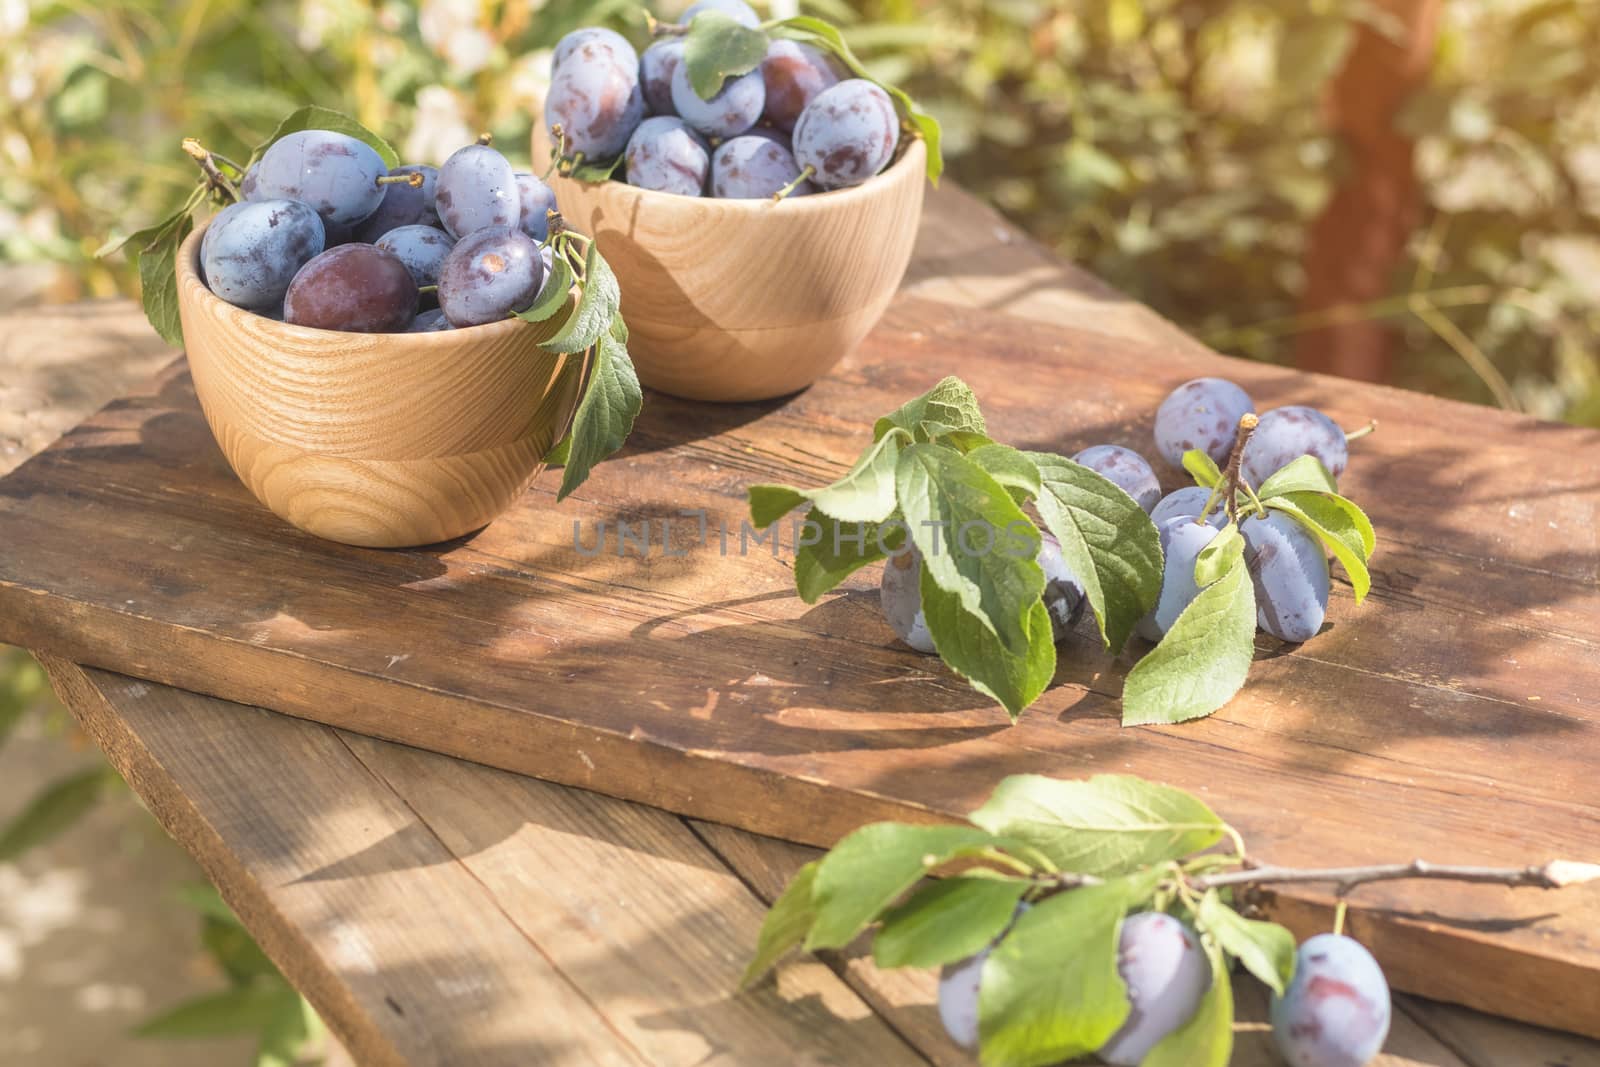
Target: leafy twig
(215,179)
(1553,875)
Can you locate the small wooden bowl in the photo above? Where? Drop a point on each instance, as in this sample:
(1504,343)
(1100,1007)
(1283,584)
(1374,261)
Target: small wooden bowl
(382,440)
(749,299)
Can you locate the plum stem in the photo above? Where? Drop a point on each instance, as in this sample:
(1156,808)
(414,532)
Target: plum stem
(425,289)
(804,175)
(1358,434)
(1553,875)
(215,179)
(484,138)
(1338,917)
(1230,481)
(413,180)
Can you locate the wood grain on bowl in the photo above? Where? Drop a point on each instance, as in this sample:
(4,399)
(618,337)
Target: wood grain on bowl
(737,300)
(382,440)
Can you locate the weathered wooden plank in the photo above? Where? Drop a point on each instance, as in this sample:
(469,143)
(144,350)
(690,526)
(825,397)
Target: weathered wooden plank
(438,912)
(1455,716)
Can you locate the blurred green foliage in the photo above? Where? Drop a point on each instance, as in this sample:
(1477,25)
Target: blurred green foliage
(1176,147)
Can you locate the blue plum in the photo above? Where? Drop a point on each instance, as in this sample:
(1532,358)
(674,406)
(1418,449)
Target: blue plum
(1285,434)
(403,204)
(430,321)
(738,10)
(736,107)
(1125,467)
(1204,414)
(1335,1012)
(664,154)
(490,274)
(1290,571)
(1187,502)
(253,249)
(794,74)
(1063,592)
(847,133)
(421,248)
(593,44)
(1166,972)
(538,200)
(334,173)
(749,167)
(597,103)
(655,73)
(477,188)
(958,990)
(357,288)
(1181,541)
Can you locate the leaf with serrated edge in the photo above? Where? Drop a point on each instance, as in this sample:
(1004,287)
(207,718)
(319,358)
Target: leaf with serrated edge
(950,404)
(1206,1040)
(1358,521)
(553,296)
(838,551)
(1106,825)
(871,868)
(786,925)
(1267,950)
(1009,467)
(1202,661)
(946,921)
(1050,990)
(1334,527)
(865,494)
(1106,539)
(1303,475)
(718,47)
(597,308)
(605,415)
(1202,468)
(313,117)
(1220,555)
(158,280)
(969,648)
(944,497)
(815,31)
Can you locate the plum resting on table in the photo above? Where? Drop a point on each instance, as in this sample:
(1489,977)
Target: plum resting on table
(1336,1011)
(1285,434)
(1290,572)
(1166,972)
(1188,502)
(1204,414)
(1181,541)
(1125,468)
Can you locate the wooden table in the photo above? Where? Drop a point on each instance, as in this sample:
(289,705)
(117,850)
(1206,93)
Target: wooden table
(439,912)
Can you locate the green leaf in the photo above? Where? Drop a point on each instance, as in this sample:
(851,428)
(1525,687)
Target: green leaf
(1206,1040)
(1106,539)
(718,47)
(865,494)
(841,549)
(287,1033)
(54,809)
(1303,475)
(786,924)
(158,280)
(593,170)
(870,869)
(972,650)
(1220,555)
(247,1009)
(1050,990)
(1267,950)
(946,921)
(948,408)
(1106,825)
(1202,467)
(559,453)
(1335,526)
(553,297)
(1203,660)
(1009,467)
(606,412)
(313,117)
(815,31)
(964,441)
(963,522)
(598,306)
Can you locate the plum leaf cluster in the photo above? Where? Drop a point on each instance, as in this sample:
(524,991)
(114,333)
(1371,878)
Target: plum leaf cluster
(934,484)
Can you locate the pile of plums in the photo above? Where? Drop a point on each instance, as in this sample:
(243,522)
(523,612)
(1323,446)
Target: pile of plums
(1335,1012)
(326,237)
(792,126)
(1287,564)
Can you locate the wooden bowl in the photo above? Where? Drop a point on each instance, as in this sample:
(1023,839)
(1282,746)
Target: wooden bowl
(382,440)
(749,299)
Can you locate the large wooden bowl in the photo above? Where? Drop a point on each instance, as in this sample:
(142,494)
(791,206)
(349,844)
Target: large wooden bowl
(383,440)
(749,299)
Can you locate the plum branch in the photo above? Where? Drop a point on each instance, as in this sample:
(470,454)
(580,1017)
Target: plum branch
(1557,874)
(215,179)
